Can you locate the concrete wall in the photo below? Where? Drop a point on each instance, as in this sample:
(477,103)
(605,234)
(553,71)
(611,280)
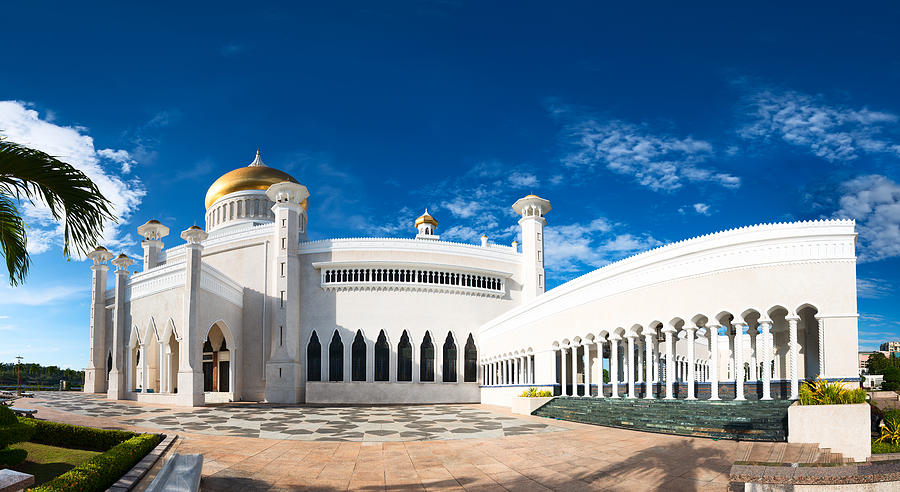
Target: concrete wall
(391,393)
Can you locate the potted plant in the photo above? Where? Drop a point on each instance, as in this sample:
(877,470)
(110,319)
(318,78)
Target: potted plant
(530,400)
(831,414)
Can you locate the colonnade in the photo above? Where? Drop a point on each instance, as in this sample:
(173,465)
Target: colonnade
(641,354)
(509,370)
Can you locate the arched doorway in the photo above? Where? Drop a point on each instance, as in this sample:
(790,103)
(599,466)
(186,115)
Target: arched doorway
(449,358)
(217,373)
(314,359)
(426,359)
(470,355)
(404,358)
(382,358)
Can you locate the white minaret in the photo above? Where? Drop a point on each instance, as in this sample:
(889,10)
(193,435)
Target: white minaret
(95,374)
(153,232)
(532,209)
(425,226)
(285,378)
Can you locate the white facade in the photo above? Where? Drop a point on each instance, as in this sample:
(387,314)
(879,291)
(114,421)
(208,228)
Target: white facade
(249,310)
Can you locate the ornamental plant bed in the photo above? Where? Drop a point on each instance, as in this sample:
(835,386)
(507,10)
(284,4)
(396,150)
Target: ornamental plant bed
(48,462)
(833,416)
(117,452)
(530,400)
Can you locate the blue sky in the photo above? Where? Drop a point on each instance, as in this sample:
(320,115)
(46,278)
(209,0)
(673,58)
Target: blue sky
(642,125)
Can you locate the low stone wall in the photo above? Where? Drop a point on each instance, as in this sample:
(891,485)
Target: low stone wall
(846,429)
(381,393)
(524,405)
(874,476)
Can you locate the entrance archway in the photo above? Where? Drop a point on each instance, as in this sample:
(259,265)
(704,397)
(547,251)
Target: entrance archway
(218,375)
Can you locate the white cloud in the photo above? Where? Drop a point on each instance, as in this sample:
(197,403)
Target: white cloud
(659,162)
(38,296)
(874,202)
(835,133)
(701,208)
(461,207)
(523,180)
(119,156)
(72,145)
(873,288)
(572,248)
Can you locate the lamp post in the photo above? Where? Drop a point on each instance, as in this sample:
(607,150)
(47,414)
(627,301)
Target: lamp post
(18,375)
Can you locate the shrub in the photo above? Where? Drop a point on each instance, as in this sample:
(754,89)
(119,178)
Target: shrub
(821,392)
(534,393)
(890,386)
(12,456)
(75,436)
(890,432)
(12,431)
(103,470)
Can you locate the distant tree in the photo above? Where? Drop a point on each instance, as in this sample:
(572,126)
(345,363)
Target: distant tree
(605,376)
(73,199)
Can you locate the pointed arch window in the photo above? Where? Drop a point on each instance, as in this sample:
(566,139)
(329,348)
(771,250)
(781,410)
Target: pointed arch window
(382,358)
(449,359)
(358,357)
(314,359)
(404,358)
(426,359)
(471,361)
(336,358)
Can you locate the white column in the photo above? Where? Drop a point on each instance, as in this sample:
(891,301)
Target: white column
(821,323)
(648,379)
(692,373)
(639,376)
(765,327)
(574,370)
(145,374)
(670,363)
(614,366)
(563,368)
(754,355)
(713,334)
(739,360)
(792,335)
(587,369)
(599,369)
(162,368)
(630,365)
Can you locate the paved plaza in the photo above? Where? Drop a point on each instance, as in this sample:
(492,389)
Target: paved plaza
(428,447)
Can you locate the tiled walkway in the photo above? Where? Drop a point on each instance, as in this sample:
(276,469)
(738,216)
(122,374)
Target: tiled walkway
(564,456)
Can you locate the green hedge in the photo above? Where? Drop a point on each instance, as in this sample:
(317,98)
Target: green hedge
(75,436)
(101,471)
(12,456)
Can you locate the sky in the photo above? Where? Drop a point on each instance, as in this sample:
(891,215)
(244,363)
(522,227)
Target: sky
(643,124)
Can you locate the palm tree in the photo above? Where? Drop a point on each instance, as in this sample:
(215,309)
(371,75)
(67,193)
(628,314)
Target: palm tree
(32,175)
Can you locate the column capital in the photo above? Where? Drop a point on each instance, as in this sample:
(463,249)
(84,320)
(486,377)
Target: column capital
(122,262)
(100,256)
(194,235)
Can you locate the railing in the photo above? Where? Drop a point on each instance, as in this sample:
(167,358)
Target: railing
(413,278)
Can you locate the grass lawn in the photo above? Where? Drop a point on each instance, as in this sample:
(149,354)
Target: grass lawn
(48,462)
(884,447)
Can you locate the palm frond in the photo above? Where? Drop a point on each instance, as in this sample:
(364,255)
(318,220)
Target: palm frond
(29,174)
(13,241)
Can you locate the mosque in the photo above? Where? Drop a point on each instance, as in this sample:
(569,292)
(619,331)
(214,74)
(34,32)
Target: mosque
(248,309)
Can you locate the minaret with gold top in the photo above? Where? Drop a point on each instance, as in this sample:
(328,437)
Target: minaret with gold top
(425,226)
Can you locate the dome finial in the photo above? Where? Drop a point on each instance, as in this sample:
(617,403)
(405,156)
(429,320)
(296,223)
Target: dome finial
(257,162)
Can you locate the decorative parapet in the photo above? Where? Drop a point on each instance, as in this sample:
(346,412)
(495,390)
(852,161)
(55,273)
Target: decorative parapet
(491,251)
(172,276)
(745,247)
(414,276)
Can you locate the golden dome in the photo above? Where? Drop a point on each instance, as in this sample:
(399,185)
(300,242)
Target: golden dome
(256,176)
(426,219)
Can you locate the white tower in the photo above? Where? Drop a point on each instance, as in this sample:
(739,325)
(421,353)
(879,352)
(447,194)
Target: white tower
(285,379)
(95,374)
(532,209)
(425,226)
